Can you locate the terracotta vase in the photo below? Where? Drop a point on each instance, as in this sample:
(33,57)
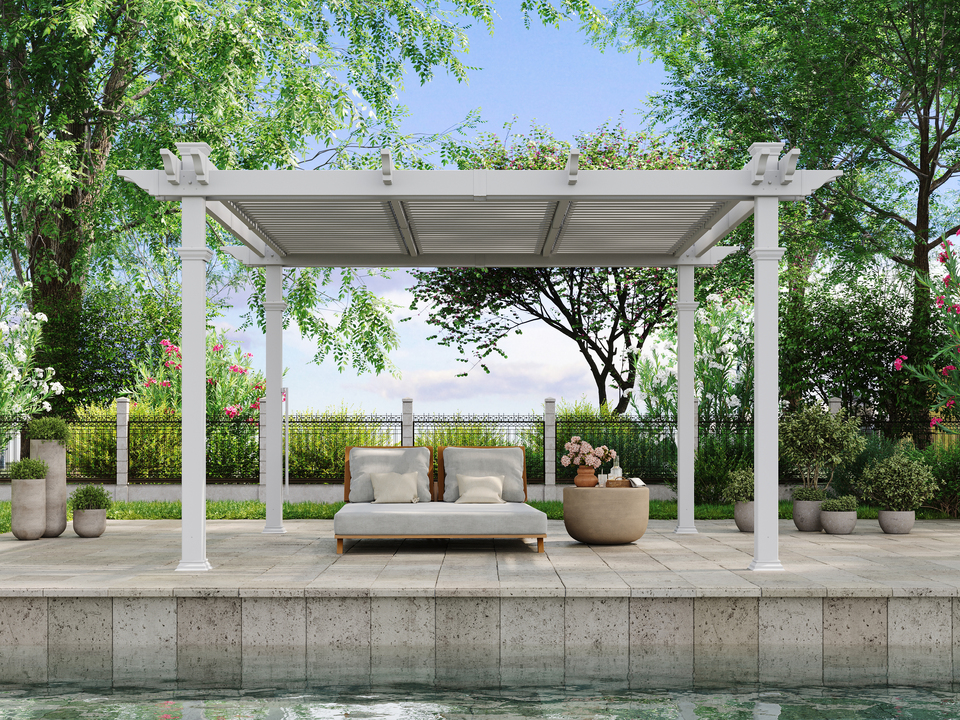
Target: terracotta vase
(586,477)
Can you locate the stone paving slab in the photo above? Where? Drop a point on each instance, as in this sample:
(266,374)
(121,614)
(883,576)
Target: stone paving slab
(136,558)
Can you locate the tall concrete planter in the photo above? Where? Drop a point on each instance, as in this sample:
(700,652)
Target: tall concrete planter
(54,454)
(28,511)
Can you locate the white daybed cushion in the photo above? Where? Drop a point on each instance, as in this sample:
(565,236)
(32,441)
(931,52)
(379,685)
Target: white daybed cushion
(484,461)
(476,490)
(394,487)
(364,461)
(441,519)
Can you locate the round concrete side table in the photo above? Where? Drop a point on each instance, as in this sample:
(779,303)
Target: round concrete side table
(606,516)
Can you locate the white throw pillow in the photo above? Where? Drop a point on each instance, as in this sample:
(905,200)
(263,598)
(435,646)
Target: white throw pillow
(394,487)
(364,461)
(480,462)
(486,489)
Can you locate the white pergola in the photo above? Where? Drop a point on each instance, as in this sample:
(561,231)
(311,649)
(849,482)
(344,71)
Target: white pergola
(477,218)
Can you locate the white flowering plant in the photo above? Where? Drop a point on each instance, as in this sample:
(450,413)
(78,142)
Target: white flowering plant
(24,388)
(723,367)
(580,452)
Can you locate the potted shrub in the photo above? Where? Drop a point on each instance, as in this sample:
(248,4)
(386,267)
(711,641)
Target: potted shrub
(48,442)
(839,515)
(898,485)
(28,495)
(90,504)
(739,491)
(816,441)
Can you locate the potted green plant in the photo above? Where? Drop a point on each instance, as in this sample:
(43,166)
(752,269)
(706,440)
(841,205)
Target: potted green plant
(28,495)
(48,442)
(816,441)
(90,504)
(898,485)
(839,515)
(739,491)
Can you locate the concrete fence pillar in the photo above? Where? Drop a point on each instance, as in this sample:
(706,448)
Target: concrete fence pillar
(834,404)
(550,441)
(406,422)
(123,447)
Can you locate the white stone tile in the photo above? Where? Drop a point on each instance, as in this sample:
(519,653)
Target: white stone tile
(209,622)
(403,622)
(339,623)
(23,622)
(277,622)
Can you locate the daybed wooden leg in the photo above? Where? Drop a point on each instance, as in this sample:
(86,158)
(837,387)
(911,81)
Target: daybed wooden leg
(339,546)
(539,545)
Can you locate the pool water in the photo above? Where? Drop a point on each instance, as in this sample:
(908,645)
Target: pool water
(427,703)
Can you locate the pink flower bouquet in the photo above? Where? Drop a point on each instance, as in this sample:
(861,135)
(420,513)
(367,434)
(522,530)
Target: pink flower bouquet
(580,452)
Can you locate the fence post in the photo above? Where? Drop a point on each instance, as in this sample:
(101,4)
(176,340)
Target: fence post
(550,441)
(263,452)
(406,422)
(123,448)
(834,404)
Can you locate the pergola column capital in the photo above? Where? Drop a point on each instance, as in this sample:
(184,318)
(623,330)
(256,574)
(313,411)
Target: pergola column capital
(774,253)
(274,305)
(189,253)
(687,306)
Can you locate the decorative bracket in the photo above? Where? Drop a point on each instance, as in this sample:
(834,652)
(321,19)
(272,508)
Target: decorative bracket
(760,154)
(573,166)
(200,152)
(788,166)
(386,163)
(171,166)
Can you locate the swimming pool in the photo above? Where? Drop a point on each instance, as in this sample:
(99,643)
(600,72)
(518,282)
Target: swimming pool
(416,702)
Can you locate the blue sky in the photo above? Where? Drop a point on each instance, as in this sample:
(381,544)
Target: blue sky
(542,74)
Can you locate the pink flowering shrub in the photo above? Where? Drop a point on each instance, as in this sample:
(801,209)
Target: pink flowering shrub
(580,452)
(234,388)
(940,374)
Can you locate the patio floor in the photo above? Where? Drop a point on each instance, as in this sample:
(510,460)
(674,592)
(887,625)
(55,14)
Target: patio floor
(137,557)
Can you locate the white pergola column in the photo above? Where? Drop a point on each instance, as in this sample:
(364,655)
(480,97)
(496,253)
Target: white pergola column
(766,383)
(194,257)
(273,307)
(686,397)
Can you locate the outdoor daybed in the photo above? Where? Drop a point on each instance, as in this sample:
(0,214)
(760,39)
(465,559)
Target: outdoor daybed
(389,494)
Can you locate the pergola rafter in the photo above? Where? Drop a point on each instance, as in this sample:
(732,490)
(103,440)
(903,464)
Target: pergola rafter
(477,218)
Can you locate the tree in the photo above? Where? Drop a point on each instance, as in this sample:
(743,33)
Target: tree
(607,312)
(90,88)
(871,87)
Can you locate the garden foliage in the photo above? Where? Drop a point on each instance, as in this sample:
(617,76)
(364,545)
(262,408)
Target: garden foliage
(818,442)
(899,482)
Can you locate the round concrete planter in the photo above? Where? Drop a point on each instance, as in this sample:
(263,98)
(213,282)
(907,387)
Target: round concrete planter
(55,456)
(28,508)
(806,515)
(89,523)
(606,516)
(897,522)
(743,516)
(838,523)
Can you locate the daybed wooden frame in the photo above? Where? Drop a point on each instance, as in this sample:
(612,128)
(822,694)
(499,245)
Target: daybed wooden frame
(436,494)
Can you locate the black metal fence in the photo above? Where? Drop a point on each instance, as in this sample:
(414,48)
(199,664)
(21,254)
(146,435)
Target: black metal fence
(156,450)
(318,442)
(486,431)
(92,450)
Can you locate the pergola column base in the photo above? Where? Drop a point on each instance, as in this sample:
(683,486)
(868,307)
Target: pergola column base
(686,530)
(274,530)
(766,566)
(194,566)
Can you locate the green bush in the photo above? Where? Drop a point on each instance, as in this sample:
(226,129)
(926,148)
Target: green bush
(93,453)
(844,503)
(944,462)
(318,441)
(739,486)
(876,448)
(816,441)
(48,428)
(716,458)
(808,493)
(90,497)
(898,483)
(28,469)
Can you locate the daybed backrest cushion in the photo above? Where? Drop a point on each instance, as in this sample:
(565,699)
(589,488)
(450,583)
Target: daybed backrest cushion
(506,461)
(361,461)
